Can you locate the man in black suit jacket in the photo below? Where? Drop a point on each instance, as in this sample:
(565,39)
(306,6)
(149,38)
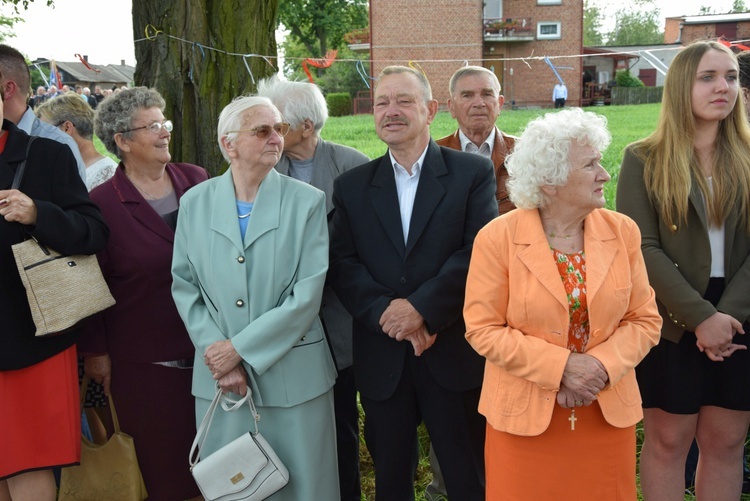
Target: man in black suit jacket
(403,229)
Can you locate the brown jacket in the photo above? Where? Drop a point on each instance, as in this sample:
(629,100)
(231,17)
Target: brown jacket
(503,144)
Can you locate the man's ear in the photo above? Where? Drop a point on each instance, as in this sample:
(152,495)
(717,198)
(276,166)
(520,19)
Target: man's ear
(308,128)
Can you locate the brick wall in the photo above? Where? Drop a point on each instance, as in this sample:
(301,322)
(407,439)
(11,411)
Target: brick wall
(444,31)
(449,32)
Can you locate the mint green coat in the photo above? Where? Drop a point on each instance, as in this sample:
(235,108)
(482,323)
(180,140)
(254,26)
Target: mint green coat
(264,294)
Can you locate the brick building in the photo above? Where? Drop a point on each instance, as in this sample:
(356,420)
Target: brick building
(685,29)
(441,34)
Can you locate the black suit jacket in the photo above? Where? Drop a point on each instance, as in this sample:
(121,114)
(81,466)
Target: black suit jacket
(371,265)
(67,221)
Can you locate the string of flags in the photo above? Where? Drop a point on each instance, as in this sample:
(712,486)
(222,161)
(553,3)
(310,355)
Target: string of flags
(152,34)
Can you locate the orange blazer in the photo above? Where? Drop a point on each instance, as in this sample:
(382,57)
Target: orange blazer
(516,314)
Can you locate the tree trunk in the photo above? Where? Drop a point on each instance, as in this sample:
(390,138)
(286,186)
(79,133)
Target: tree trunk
(196,81)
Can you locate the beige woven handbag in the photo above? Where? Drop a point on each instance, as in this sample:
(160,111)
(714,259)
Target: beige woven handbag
(61,290)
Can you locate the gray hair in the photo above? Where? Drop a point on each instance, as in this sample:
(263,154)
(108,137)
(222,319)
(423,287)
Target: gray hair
(69,108)
(468,71)
(421,78)
(541,155)
(116,114)
(233,117)
(297,101)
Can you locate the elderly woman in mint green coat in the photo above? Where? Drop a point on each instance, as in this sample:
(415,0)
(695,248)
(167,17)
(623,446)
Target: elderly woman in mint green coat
(250,259)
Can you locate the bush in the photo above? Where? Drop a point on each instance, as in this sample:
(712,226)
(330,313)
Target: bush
(625,79)
(339,104)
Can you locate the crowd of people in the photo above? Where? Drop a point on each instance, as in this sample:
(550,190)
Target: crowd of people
(476,284)
(44,94)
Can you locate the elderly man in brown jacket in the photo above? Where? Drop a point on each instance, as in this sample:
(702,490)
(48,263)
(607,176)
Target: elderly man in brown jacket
(475,103)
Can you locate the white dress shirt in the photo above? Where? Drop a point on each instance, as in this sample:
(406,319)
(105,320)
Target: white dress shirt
(406,187)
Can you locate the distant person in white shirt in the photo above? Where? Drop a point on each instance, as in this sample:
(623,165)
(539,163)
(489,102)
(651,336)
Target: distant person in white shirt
(560,95)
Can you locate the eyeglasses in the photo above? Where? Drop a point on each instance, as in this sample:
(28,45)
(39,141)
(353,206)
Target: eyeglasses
(263,131)
(155,127)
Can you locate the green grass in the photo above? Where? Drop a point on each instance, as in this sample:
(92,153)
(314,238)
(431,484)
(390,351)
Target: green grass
(626,124)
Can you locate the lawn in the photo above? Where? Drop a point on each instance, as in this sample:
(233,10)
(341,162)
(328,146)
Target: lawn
(626,124)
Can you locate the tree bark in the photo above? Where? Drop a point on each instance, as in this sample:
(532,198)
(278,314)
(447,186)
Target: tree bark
(195,81)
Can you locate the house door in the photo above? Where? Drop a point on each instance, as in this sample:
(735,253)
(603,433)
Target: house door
(497,67)
(647,76)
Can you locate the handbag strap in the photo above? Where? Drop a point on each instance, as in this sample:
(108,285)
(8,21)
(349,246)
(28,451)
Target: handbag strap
(112,411)
(229,405)
(22,166)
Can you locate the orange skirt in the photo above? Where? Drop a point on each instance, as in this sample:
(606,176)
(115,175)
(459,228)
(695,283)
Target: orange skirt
(40,422)
(594,461)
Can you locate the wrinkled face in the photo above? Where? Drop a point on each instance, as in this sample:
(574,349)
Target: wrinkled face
(475,103)
(401,115)
(248,149)
(584,188)
(716,86)
(143,147)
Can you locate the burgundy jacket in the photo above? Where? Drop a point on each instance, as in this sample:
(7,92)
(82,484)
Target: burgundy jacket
(503,144)
(144,325)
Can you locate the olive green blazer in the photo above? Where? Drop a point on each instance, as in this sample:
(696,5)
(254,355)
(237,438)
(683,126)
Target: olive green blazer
(678,258)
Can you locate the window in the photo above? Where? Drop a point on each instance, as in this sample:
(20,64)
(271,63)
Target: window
(548,2)
(548,31)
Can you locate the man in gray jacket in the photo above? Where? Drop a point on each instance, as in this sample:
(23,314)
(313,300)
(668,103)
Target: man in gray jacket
(309,158)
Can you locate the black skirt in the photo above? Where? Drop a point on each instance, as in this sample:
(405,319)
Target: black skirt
(679,379)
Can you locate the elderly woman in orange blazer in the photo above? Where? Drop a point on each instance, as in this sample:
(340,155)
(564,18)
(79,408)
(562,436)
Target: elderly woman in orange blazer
(558,302)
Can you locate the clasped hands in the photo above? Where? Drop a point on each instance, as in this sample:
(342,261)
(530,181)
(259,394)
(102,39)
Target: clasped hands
(714,336)
(225,365)
(583,378)
(402,322)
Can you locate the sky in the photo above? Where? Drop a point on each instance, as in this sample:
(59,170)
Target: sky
(104,30)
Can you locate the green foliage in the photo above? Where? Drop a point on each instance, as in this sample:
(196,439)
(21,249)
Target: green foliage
(638,24)
(625,79)
(320,25)
(339,104)
(341,76)
(738,6)
(592,25)
(23,3)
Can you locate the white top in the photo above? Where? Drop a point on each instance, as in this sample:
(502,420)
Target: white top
(560,92)
(100,171)
(406,187)
(485,149)
(716,239)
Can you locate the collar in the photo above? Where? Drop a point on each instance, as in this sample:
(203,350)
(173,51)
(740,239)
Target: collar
(27,121)
(417,165)
(489,140)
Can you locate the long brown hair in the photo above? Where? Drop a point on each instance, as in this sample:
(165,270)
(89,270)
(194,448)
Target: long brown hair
(670,162)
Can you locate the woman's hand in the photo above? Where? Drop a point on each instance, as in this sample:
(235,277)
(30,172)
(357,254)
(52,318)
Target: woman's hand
(16,207)
(221,358)
(235,381)
(568,399)
(714,336)
(99,369)
(584,375)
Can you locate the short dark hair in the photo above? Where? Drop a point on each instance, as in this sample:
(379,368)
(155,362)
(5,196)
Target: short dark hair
(13,66)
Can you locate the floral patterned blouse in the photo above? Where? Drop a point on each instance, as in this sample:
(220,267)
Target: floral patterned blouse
(572,268)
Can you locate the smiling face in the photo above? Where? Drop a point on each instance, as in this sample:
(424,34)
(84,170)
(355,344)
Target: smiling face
(716,86)
(584,189)
(142,147)
(475,104)
(402,117)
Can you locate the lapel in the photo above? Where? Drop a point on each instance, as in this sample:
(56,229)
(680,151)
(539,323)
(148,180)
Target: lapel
(139,208)
(499,150)
(266,210)
(14,152)
(696,199)
(429,193)
(536,254)
(385,202)
(600,246)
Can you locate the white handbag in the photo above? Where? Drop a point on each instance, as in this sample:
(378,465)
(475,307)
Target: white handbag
(244,469)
